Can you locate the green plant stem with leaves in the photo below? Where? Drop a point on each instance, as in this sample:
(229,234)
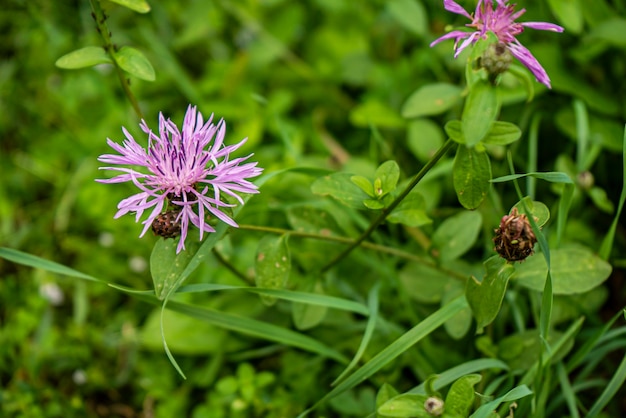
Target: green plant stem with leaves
(387,210)
(100,18)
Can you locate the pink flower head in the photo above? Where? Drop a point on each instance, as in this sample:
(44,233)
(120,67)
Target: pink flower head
(501,22)
(186,173)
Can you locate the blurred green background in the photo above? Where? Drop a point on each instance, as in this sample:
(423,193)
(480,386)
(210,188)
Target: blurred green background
(310,83)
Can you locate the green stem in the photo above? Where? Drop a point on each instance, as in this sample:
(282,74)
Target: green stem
(365,244)
(100,18)
(386,211)
(231,267)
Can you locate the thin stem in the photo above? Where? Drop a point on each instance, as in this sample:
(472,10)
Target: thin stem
(231,267)
(100,17)
(365,244)
(386,211)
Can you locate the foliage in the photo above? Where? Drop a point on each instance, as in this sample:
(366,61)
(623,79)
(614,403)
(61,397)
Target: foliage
(362,280)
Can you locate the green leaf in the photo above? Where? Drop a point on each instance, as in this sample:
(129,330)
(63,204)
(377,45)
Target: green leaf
(485,297)
(135,63)
(423,283)
(424,138)
(340,187)
(459,325)
(486,410)
(569,14)
(480,111)
(460,398)
(431,99)
(600,200)
(364,184)
(167,267)
(502,133)
(610,390)
(538,210)
(385,393)
(372,305)
(456,235)
(574,270)
(552,177)
(396,348)
(272,265)
(387,175)
(471,174)
(374,204)
(140,6)
(258,329)
(411,211)
(30,260)
(312,221)
(405,405)
(291,295)
(83,58)
(307,316)
(452,374)
(410,14)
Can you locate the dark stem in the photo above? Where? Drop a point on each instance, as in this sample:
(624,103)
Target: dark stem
(100,18)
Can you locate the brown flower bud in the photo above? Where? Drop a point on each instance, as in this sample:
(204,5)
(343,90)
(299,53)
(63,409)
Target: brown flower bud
(166,224)
(514,238)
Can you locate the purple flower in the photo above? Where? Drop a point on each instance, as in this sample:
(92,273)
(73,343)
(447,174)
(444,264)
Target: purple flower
(188,175)
(501,22)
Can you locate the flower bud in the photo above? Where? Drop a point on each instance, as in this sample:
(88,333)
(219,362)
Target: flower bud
(514,238)
(434,406)
(496,59)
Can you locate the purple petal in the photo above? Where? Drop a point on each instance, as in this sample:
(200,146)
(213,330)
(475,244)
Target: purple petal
(525,57)
(454,7)
(455,34)
(543,26)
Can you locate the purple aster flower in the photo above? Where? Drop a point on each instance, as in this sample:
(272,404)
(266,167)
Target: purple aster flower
(187,175)
(501,22)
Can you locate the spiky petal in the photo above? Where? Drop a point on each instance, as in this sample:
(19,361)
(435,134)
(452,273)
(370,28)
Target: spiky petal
(189,170)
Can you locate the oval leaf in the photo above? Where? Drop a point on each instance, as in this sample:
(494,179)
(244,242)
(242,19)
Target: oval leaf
(411,211)
(502,133)
(405,405)
(410,14)
(471,174)
(431,99)
(341,187)
(460,398)
(135,63)
(167,267)
(272,265)
(574,270)
(306,315)
(539,210)
(387,175)
(456,235)
(479,113)
(83,58)
(485,297)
